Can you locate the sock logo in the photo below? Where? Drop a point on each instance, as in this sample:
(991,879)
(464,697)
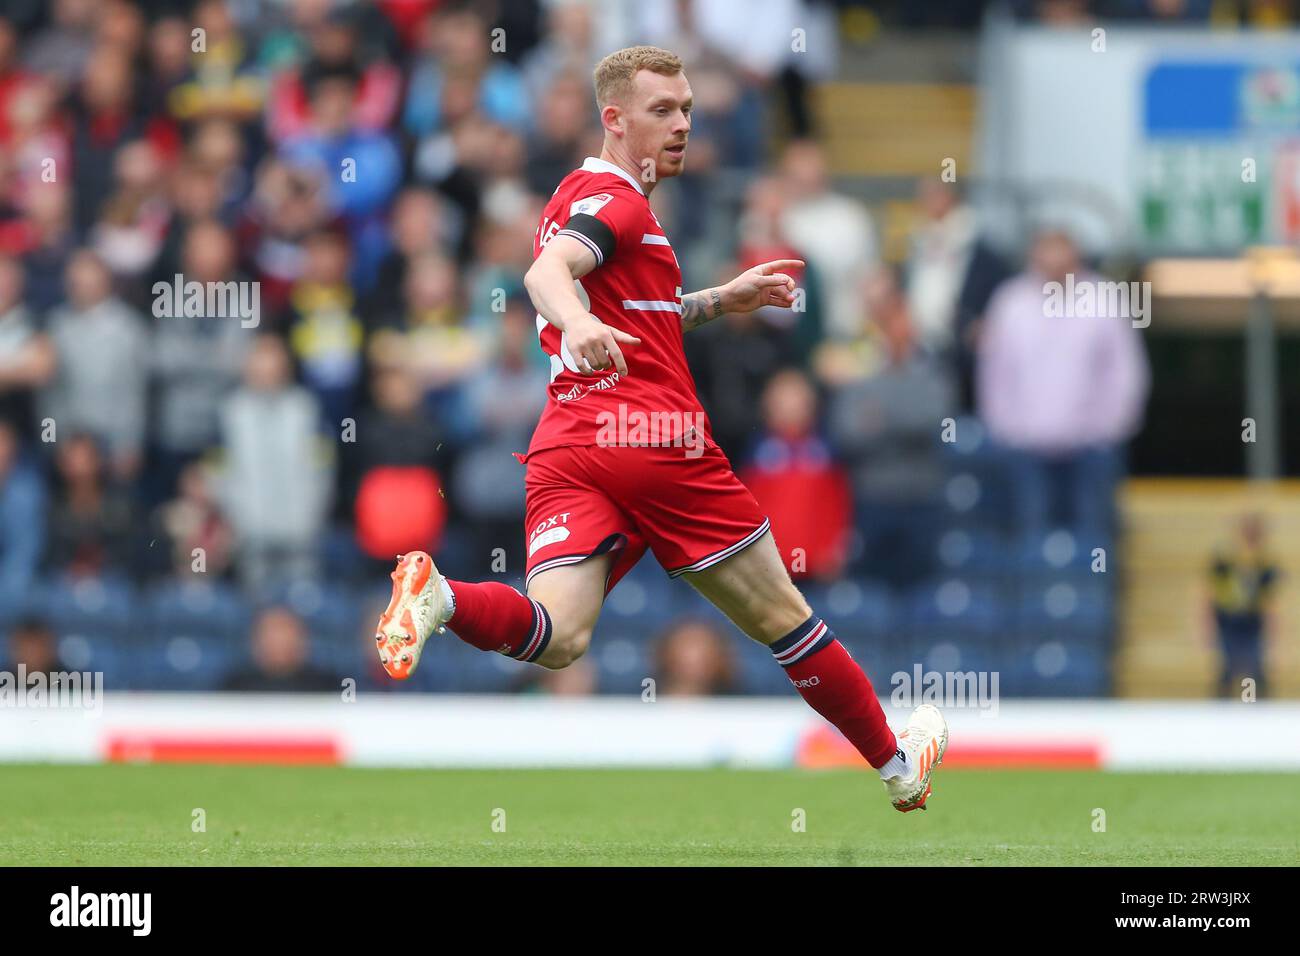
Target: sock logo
(808,681)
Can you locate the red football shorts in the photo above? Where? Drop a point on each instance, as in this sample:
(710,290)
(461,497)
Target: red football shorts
(691,512)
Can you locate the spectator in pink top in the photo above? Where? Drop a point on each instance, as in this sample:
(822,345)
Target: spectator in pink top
(1062,383)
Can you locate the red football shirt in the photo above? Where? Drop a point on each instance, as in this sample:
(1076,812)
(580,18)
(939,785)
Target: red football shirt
(636,287)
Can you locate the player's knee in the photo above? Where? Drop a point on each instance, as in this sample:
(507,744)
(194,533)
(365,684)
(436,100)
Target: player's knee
(565,648)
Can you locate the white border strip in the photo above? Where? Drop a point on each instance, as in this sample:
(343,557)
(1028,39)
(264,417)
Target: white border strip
(495,731)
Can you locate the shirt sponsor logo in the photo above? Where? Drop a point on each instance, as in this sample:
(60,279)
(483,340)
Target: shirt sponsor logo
(589,206)
(580,390)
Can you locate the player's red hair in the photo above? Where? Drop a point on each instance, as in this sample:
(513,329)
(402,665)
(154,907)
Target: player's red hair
(613,75)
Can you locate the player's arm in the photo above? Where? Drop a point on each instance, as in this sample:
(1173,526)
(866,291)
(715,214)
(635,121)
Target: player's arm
(700,307)
(765,284)
(549,282)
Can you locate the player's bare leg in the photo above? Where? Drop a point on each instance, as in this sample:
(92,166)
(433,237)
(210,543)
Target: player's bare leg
(754,590)
(573,595)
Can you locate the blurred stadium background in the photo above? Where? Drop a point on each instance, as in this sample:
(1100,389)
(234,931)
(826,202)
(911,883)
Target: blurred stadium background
(189,504)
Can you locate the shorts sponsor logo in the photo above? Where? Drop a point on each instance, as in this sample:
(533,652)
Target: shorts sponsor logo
(548,532)
(808,681)
(547,538)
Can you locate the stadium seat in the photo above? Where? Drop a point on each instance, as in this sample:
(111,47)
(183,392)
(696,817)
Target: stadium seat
(759,674)
(622,662)
(1058,550)
(196,607)
(956,606)
(855,608)
(1055,665)
(966,550)
(1074,604)
(182,661)
(333,615)
(87,604)
(97,652)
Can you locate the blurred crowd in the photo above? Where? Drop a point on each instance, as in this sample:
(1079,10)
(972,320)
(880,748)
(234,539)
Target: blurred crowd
(375,172)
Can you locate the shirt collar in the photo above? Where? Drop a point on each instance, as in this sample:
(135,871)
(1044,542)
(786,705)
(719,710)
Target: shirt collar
(594,164)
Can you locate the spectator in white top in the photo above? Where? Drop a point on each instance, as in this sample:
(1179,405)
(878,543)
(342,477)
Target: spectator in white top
(277,477)
(834,232)
(951,275)
(102,350)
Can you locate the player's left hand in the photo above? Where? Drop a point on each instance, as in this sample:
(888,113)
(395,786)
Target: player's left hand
(765,284)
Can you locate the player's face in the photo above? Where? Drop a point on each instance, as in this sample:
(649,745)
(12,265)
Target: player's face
(659,121)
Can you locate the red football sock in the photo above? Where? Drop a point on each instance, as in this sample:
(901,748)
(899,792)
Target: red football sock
(834,686)
(495,617)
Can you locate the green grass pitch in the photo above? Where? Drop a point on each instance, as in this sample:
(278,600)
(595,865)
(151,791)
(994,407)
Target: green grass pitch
(144,815)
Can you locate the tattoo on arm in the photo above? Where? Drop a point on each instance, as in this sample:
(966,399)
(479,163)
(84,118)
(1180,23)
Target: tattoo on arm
(700,307)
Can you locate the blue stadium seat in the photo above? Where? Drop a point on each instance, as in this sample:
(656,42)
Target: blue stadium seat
(622,660)
(1056,666)
(1075,604)
(636,596)
(97,652)
(956,605)
(196,607)
(974,455)
(337,618)
(104,604)
(646,601)
(185,662)
(963,551)
(879,655)
(857,607)
(759,673)
(1059,550)
(451,666)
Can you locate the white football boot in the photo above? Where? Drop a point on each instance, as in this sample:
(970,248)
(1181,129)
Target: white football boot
(925,739)
(417,608)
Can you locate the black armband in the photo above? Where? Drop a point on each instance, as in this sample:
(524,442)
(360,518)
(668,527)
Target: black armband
(592,233)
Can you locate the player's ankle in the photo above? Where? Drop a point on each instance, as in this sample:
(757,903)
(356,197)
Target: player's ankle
(448,600)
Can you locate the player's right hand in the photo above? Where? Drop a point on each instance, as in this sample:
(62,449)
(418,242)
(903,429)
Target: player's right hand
(595,345)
